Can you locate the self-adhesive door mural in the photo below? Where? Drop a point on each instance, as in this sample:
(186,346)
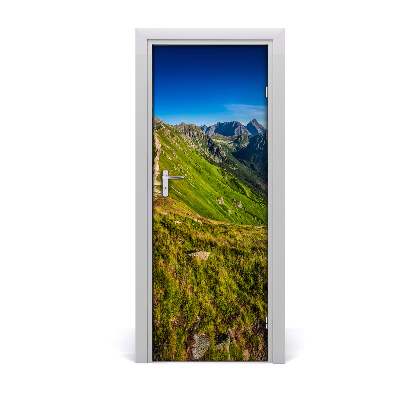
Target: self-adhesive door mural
(210,249)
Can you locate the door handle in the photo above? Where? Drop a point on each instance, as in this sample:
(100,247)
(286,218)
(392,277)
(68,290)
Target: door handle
(165,181)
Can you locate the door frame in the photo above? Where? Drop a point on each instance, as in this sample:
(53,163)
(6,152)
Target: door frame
(275,39)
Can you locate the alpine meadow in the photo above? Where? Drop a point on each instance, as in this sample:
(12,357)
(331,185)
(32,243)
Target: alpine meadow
(210,258)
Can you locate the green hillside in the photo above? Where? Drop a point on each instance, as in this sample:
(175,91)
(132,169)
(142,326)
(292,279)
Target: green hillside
(210,253)
(206,181)
(227,291)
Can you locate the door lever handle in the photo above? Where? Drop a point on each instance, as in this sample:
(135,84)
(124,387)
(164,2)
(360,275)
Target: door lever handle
(165,180)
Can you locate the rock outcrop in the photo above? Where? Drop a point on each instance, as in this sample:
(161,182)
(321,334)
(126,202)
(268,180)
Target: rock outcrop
(237,203)
(156,166)
(201,346)
(193,132)
(157,123)
(199,255)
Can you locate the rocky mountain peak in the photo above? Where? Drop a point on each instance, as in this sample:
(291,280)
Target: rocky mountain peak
(233,128)
(195,133)
(157,123)
(255,128)
(190,130)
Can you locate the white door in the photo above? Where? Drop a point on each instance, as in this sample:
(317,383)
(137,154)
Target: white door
(207,277)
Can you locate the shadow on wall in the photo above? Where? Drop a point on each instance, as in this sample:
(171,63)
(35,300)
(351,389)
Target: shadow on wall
(294,343)
(124,343)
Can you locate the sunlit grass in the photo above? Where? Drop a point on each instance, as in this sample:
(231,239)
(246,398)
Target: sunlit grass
(228,290)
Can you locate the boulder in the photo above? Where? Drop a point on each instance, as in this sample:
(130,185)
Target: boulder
(201,346)
(200,255)
(237,203)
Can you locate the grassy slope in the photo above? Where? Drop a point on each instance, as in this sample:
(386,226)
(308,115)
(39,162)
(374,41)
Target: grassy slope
(204,182)
(253,178)
(229,290)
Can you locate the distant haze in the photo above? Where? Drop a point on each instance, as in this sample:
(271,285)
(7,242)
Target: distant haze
(204,85)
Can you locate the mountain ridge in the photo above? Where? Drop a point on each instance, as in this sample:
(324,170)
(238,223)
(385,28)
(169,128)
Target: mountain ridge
(243,155)
(233,128)
(255,128)
(216,185)
(255,155)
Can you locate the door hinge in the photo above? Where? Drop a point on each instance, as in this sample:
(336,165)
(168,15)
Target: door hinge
(266,323)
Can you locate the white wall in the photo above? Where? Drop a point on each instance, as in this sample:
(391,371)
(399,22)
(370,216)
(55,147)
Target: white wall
(67,201)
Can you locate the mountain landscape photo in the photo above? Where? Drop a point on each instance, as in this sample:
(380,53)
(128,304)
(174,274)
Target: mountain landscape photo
(210,249)
(210,235)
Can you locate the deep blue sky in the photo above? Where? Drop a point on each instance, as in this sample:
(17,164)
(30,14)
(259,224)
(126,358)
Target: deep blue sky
(210,84)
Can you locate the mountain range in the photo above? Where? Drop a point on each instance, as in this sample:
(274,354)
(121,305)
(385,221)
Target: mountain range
(233,128)
(232,145)
(223,181)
